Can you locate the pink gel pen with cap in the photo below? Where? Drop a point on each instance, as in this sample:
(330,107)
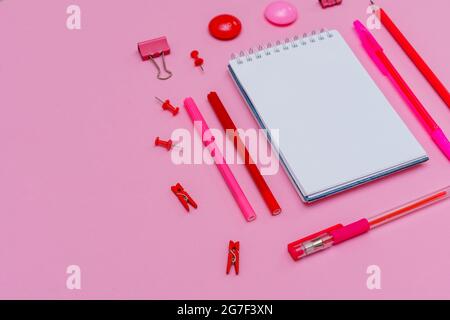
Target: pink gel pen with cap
(339,233)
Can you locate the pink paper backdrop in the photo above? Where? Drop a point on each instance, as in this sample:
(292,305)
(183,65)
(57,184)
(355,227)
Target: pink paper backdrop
(81,183)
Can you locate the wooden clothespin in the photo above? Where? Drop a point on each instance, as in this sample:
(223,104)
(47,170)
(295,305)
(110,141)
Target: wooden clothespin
(183,196)
(233,256)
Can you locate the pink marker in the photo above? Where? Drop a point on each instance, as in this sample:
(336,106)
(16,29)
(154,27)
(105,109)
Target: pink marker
(375,51)
(208,141)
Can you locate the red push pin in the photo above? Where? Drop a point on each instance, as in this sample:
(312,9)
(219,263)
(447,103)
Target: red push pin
(165,144)
(198,62)
(167,106)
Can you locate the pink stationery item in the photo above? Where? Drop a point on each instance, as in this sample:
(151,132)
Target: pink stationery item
(329,3)
(375,51)
(338,233)
(208,141)
(154,48)
(280,13)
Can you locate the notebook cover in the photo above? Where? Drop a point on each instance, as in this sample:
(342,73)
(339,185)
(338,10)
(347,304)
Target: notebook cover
(337,130)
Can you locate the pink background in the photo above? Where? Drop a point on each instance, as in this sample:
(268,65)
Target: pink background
(82,184)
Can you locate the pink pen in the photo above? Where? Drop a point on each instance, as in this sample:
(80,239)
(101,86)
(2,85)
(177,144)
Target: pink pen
(339,233)
(375,51)
(208,141)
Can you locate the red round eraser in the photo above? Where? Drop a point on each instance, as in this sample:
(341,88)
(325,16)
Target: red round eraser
(225,27)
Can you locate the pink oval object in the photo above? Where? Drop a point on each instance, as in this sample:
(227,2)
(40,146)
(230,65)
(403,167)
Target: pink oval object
(280,13)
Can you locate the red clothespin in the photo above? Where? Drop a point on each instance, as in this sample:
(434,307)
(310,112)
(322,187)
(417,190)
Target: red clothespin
(233,256)
(183,196)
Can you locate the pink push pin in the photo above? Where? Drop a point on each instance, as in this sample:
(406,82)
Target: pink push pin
(280,13)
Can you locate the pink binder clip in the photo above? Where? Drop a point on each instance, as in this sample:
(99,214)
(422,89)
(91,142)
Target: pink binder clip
(329,3)
(154,48)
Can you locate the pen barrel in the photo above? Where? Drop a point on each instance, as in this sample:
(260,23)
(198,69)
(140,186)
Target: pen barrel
(409,207)
(228,124)
(350,231)
(414,102)
(441,141)
(236,191)
(208,140)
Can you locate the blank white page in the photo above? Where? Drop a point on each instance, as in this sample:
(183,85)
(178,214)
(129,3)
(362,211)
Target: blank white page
(336,128)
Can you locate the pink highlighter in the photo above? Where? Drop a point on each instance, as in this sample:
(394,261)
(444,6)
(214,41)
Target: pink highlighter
(208,141)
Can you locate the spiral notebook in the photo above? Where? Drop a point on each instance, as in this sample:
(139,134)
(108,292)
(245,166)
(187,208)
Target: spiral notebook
(336,128)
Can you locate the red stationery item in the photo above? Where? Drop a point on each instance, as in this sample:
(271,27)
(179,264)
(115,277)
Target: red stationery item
(198,62)
(183,196)
(228,124)
(233,256)
(225,27)
(407,47)
(375,51)
(166,105)
(165,144)
(296,248)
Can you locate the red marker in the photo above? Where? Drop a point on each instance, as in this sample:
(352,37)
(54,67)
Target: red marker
(375,51)
(228,124)
(407,47)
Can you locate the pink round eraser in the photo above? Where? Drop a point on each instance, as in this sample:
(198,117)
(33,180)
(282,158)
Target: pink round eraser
(280,13)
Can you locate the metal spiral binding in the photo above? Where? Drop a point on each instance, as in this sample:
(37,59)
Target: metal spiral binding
(281,45)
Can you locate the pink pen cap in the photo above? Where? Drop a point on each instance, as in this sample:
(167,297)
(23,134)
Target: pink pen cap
(370,44)
(441,141)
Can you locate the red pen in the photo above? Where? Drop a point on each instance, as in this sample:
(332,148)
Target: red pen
(375,51)
(407,47)
(228,124)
